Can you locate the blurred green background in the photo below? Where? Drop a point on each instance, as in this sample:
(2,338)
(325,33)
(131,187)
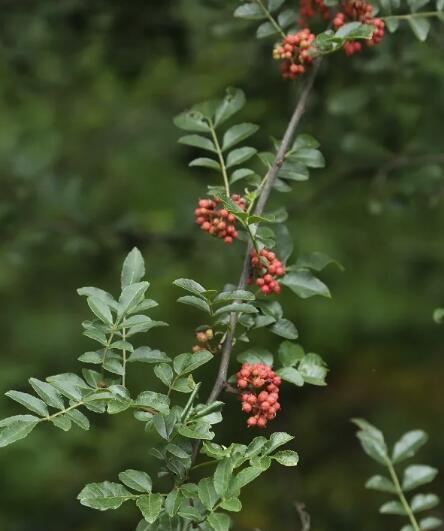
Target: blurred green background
(89,167)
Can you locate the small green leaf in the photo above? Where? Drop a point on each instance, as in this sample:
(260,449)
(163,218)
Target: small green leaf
(407,446)
(186,363)
(200,430)
(78,418)
(232,103)
(245,476)
(222,476)
(420,27)
(219,521)
(192,121)
(266,29)
(147,355)
(392,507)
(29,401)
(416,475)
(69,385)
(153,400)
(231,504)
(430,523)
(285,328)
(15,428)
(91,357)
(423,502)
(381,483)
(190,285)
(240,155)
(205,162)
(100,310)
(164,424)
(286,458)
(237,133)
(198,141)
(150,506)
(104,496)
(133,269)
(250,10)
(207,493)
(305,284)
(256,356)
(313,369)
(165,373)
(47,393)
(316,261)
(136,480)
(292,375)
(196,302)
(237,294)
(236,307)
(277,439)
(290,353)
(131,296)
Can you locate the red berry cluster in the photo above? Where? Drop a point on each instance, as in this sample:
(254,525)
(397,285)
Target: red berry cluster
(216,220)
(361,11)
(261,405)
(295,51)
(309,8)
(266,268)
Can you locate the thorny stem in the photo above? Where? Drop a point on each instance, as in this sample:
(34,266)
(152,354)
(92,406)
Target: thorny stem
(258,210)
(407,16)
(270,18)
(401,496)
(221,159)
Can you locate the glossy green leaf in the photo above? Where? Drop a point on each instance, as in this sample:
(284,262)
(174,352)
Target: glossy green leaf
(147,355)
(381,483)
(237,133)
(222,476)
(292,375)
(133,269)
(207,493)
(150,506)
(407,446)
(420,27)
(192,121)
(15,428)
(250,10)
(256,356)
(232,103)
(104,496)
(423,502)
(305,284)
(190,285)
(205,162)
(285,328)
(286,458)
(392,507)
(289,353)
(136,480)
(416,475)
(30,402)
(196,302)
(219,521)
(47,393)
(239,156)
(198,141)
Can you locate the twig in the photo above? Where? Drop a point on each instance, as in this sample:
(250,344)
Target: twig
(304,516)
(260,205)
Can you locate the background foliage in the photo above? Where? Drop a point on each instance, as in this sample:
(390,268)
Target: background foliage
(89,167)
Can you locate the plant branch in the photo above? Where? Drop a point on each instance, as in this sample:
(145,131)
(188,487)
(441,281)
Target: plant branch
(407,16)
(271,19)
(221,160)
(259,208)
(401,496)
